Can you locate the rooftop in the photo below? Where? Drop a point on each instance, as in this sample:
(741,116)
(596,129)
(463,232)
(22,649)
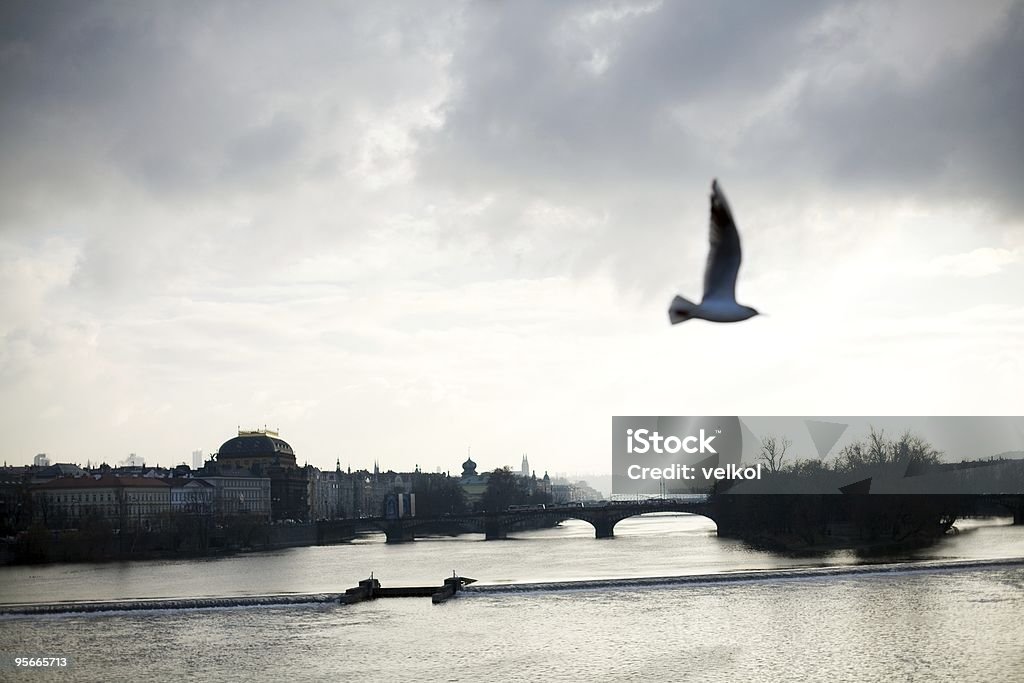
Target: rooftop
(103,482)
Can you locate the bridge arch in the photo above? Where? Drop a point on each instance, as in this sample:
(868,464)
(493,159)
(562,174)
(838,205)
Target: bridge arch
(604,519)
(408,528)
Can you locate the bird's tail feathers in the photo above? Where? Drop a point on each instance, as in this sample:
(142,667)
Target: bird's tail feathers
(681,310)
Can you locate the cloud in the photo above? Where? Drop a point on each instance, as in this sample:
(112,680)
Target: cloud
(467,218)
(898,118)
(622,113)
(204,104)
(792,82)
(977,263)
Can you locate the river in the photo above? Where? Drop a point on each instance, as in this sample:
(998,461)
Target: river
(922,616)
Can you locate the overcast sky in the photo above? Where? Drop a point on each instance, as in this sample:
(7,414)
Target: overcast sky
(397,230)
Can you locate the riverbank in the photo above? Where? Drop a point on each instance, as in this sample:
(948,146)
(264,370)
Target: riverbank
(38,546)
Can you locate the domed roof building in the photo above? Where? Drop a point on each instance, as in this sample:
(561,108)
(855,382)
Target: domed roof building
(256,447)
(473,484)
(264,454)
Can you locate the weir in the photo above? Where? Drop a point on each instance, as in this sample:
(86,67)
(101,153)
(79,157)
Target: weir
(167,603)
(370,589)
(882,570)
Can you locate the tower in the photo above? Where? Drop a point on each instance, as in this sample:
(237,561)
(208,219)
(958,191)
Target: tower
(525,469)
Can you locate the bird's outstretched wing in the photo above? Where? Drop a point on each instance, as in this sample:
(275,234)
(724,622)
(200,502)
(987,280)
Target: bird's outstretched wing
(724,255)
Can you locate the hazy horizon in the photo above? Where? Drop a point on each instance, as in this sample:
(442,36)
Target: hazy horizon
(393,231)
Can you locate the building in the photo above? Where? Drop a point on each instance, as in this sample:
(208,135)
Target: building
(473,485)
(237,491)
(15,499)
(326,493)
(197,459)
(356,494)
(265,454)
(41,460)
(123,502)
(191,496)
(565,491)
(57,471)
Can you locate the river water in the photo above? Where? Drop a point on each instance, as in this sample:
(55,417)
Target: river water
(923,616)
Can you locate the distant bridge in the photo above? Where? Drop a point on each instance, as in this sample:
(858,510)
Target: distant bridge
(498,525)
(604,517)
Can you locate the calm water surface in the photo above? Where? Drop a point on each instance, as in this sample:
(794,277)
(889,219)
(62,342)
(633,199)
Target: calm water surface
(957,624)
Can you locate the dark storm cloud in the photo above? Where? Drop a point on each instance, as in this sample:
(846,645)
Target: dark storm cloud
(530,103)
(957,133)
(555,99)
(185,102)
(579,105)
(588,132)
(169,142)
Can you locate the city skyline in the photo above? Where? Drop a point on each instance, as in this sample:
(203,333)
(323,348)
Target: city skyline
(135,459)
(394,230)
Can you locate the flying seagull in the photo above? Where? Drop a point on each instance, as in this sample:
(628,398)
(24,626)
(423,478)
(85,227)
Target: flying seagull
(719,302)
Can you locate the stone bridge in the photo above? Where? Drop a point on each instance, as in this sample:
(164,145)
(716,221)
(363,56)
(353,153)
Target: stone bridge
(498,525)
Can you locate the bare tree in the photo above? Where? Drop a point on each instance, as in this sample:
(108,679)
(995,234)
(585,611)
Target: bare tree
(773,450)
(878,450)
